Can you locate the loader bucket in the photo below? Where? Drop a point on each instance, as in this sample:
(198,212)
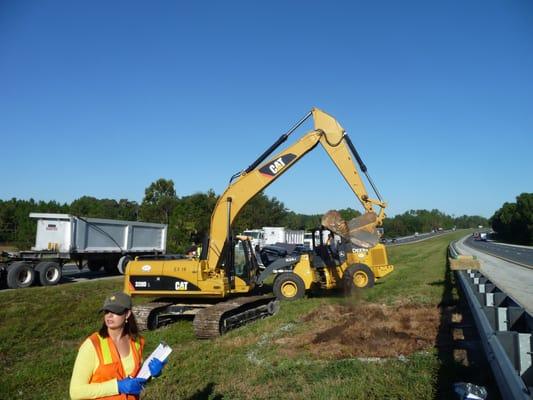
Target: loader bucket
(361,230)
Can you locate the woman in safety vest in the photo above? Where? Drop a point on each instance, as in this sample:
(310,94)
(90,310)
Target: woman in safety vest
(108,359)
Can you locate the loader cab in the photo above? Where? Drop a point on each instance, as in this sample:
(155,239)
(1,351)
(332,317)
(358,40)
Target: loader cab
(327,247)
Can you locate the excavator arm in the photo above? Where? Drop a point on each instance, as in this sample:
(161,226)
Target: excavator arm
(246,184)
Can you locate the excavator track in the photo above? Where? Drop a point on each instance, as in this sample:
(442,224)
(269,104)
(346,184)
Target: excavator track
(218,319)
(145,314)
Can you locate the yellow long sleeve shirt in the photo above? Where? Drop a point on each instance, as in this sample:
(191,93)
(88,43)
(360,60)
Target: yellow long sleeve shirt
(85,366)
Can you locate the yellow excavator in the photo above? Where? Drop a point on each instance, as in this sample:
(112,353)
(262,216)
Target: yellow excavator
(220,287)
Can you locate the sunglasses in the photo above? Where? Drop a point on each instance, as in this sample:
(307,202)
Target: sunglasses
(113,312)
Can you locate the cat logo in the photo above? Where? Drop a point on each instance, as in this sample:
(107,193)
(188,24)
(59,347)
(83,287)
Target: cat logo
(180,285)
(274,167)
(277,165)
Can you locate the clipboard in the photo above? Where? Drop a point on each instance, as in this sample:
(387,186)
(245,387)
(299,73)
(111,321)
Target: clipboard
(161,352)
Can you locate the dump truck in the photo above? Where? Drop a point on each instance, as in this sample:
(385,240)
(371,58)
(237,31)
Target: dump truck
(98,243)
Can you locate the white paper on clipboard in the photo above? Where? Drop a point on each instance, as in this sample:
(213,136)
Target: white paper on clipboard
(161,352)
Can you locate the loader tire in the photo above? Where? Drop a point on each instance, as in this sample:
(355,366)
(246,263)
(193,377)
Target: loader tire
(289,286)
(357,277)
(20,274)
(48,273)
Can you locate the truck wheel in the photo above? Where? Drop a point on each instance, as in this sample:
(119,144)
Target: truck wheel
(48,273)
(357,276)
(111,266)
(94,265)
(289,286)
(122,263)
(20,274)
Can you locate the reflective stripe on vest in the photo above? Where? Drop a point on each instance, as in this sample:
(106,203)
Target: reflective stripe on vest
(106,358)
(110,365)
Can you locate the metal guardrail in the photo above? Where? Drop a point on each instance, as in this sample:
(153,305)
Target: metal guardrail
(461,261)
(452,250)
(506,331)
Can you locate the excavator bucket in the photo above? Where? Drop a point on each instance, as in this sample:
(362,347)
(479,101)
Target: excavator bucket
(361,230)
(335,223)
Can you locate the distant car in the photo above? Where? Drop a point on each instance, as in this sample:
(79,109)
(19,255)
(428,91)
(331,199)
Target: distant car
(480,236)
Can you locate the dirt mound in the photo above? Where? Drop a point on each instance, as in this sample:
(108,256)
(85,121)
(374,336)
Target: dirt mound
(364,330)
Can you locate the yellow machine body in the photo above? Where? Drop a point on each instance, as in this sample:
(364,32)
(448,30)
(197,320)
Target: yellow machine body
(191,278)
(376,258)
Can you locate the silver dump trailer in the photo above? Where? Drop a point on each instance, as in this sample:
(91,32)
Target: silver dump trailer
(97,243)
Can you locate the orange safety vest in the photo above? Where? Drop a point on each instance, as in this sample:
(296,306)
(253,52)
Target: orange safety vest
(110,365)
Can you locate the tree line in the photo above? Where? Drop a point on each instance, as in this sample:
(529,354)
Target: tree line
(513,222)
(413,221)
(188,217)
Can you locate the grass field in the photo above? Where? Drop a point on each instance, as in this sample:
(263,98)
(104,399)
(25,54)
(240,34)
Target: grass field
(288,356)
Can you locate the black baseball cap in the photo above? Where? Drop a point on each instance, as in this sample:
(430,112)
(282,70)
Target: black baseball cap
(117,303)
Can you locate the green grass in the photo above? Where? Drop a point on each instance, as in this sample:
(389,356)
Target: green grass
(42,327)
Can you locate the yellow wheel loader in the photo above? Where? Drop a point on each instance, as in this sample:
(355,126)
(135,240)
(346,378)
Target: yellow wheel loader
(220,287)
(345,266)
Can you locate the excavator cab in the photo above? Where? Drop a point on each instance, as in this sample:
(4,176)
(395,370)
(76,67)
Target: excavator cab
(245,264)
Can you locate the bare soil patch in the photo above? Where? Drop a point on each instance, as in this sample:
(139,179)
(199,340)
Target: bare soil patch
(364,330)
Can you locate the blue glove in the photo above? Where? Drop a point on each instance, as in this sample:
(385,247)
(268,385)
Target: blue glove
(131,385)
(156,366)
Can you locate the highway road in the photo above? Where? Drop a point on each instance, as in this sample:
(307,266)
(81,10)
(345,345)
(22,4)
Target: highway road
(519,254)
(413,239)
(513,279)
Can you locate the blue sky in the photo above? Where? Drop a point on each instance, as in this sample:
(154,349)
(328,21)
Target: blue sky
(102,98)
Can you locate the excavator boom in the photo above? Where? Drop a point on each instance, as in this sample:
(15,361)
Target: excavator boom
(245,185)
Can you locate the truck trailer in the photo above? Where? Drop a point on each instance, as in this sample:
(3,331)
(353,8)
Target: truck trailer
(270,235)
(95,242)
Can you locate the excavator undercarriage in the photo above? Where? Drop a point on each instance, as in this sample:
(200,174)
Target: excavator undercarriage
(210,319)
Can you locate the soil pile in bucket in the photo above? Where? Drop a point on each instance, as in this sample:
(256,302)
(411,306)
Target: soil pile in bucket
(364,330)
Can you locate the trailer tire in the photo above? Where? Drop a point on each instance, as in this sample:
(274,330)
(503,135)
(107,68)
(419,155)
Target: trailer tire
(123,263)
(48,273)
(356,277)
(94,265)
(111,266)
(20,274)
(288,286)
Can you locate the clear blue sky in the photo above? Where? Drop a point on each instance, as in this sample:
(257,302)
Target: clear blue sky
(101,98)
